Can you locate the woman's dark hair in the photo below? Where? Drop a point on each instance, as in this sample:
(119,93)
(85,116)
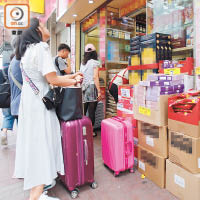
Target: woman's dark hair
(17,54)
(12,56)
(89,55)
(32,35)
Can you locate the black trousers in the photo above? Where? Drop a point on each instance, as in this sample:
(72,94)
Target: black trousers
(114,91)
(91,108)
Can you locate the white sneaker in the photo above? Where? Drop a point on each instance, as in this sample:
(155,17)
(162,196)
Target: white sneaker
(44,196)
(4,139)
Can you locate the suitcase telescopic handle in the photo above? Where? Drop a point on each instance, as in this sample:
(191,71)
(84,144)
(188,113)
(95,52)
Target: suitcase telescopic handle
(86,152)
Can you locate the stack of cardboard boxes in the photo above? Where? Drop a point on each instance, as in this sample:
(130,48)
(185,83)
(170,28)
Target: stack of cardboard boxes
(183,166)
(125,110)
(155,47)
(151,110)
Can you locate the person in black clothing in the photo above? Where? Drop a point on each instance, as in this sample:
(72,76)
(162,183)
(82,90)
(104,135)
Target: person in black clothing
(62,60)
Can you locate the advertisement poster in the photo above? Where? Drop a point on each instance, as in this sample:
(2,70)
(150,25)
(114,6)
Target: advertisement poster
(197,32)
(73,47)
(102,45)
(50,6)
(36,6)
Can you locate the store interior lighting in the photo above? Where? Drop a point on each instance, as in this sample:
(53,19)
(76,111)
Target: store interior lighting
(75,15)
(91,1)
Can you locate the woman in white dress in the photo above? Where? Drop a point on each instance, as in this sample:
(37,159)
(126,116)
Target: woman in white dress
(38,150)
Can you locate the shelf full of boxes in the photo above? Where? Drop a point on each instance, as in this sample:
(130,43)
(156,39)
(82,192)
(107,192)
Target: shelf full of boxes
(119,31)
(164,109)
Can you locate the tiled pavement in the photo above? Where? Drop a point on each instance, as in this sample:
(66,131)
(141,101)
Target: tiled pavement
(125,187)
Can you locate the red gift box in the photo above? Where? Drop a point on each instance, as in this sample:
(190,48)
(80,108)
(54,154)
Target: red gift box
(187,66)
(184,122)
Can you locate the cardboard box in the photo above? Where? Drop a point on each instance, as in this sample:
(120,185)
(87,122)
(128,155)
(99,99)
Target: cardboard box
(153,138)
(152,166)
(184,151)
(180,122)
(185,128)
(184,66)
(155,117)
(154,51)
(188,82)
(157,36)
(182,183)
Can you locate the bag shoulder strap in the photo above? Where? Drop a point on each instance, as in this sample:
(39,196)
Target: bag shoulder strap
(124,72)
(16,82)
(4,74)
(57,65)
(30,82)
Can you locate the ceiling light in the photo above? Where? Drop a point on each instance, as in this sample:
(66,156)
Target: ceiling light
(74,15)
(91,1)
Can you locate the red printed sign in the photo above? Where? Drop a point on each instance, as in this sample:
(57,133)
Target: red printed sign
(132,6)
(90,22)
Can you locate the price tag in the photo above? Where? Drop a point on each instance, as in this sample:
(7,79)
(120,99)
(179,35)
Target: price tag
(172,71)
(141,165)
(144,111)
(125,93)
(197,71)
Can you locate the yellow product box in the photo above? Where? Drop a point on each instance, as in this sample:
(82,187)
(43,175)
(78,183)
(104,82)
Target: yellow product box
(134,77)
(145,74)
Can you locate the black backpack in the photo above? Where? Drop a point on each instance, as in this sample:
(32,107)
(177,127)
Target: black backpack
(4,90)
(57,65)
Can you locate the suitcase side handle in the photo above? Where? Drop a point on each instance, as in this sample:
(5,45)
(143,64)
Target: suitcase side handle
(129,148)
(86,152)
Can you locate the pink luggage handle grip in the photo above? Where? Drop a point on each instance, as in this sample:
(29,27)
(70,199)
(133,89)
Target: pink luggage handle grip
(129,148)
(86,152)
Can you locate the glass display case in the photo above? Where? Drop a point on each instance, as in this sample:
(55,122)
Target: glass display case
(174,17)
(118,37)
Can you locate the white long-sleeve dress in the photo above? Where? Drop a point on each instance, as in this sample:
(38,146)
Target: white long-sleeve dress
(38,149)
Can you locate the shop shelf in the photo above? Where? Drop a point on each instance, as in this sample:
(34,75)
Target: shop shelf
(109,37)
(138,12)
(143,67)
(183,49)
(117,29)
(117,62)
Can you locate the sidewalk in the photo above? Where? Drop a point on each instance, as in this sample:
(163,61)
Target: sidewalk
(125,187)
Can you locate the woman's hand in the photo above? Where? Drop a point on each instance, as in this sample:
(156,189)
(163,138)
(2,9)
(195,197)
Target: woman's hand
(78,79)
(99,96)
(78,74)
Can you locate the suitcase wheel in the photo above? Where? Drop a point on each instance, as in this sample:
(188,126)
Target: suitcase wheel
(74,194)
(116,174)
(131,170)
(94,185)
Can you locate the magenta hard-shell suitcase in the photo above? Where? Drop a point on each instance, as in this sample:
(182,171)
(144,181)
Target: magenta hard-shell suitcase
(117,144)
(78,153)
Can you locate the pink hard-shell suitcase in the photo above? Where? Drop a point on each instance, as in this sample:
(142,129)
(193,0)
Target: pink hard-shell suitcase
(78,153)
(117,144)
